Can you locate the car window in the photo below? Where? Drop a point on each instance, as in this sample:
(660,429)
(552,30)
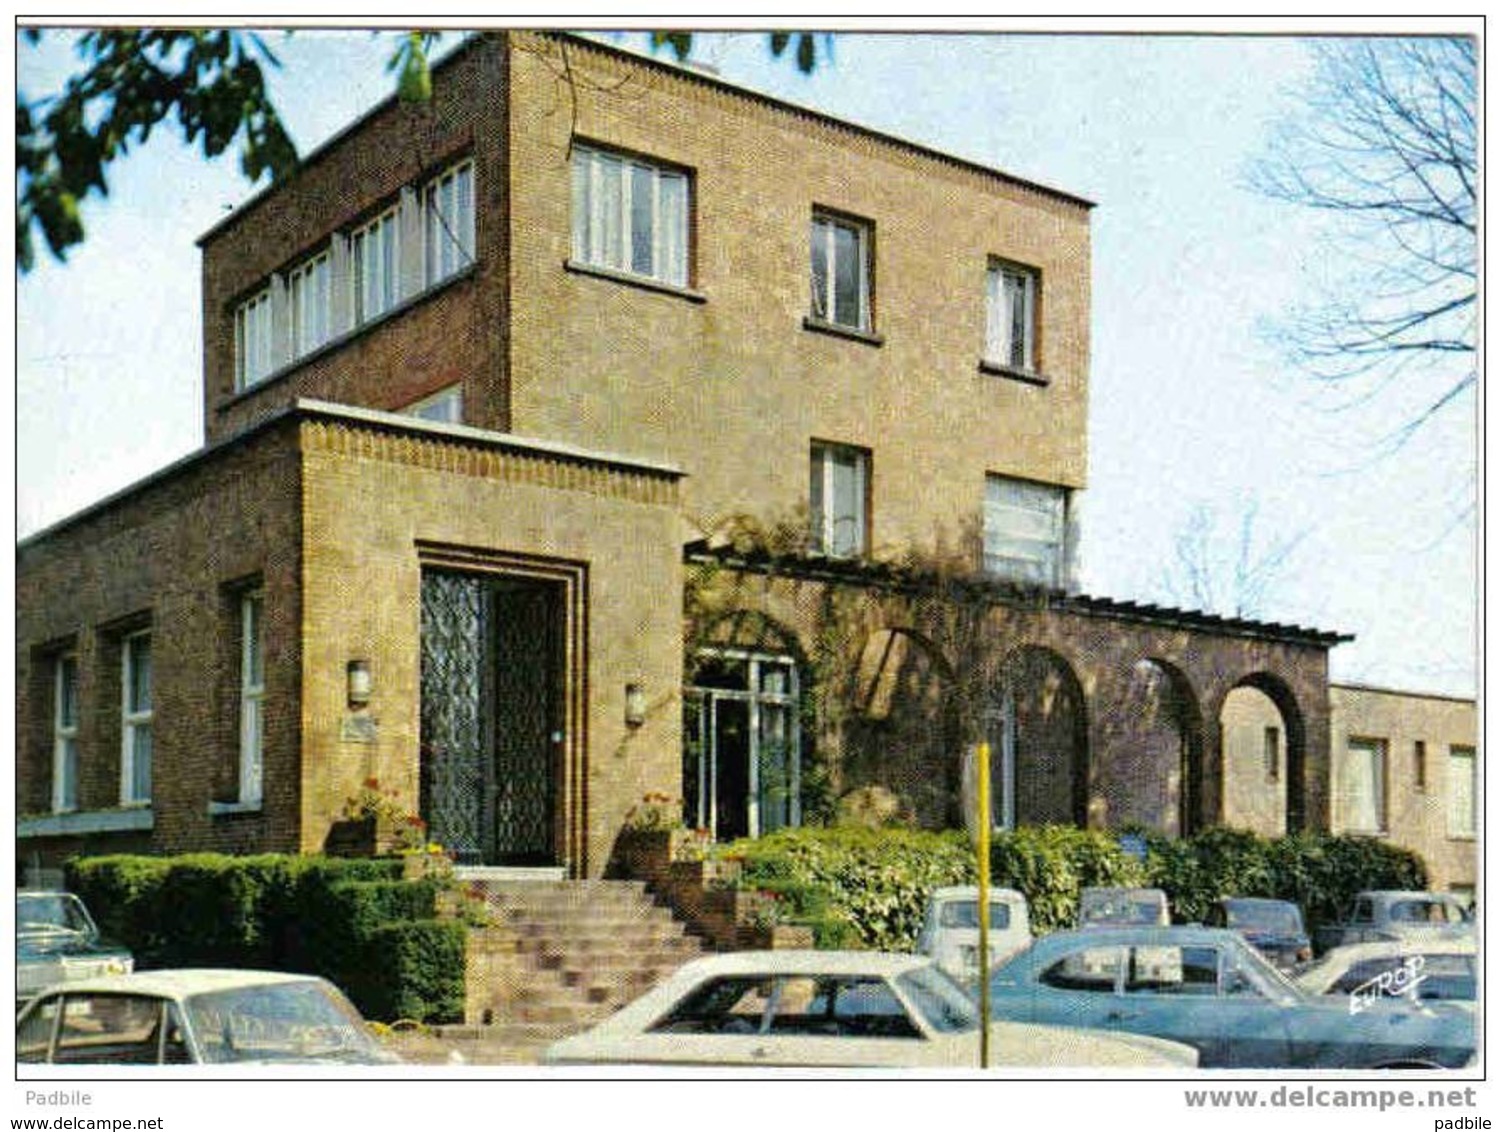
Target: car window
(108,1029)
(300,1020)
(1362,913)
(840,1006)
(34,1034)
(1447,978)
(731,1005)
(966,914)
(1090,969)
(1173,970)
(51,912)
(940,1000)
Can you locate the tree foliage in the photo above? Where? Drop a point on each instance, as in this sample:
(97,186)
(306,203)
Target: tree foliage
(1385,148)
(212,83)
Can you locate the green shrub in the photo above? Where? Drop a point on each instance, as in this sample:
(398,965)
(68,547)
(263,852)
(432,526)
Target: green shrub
(326,916)
(857,886)
(415,969)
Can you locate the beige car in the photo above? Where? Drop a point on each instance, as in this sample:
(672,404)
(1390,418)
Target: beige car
(1427,971)
(837,1009)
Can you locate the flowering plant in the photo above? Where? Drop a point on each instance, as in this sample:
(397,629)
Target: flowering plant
(695,845)
(385,808)
(655,813)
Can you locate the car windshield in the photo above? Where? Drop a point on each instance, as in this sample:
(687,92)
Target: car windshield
(1118,908)
(294,1021)
(1426,912)
(45,913)
(1283,919)
(942,1003)
(966,914)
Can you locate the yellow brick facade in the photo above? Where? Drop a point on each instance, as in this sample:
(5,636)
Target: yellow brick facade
(733,387)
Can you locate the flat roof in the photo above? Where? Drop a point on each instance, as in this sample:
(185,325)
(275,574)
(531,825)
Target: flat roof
(680,70)
(305,409)
(1381,690)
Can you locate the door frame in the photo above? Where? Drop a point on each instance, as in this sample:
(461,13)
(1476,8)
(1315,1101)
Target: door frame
(705,804)
(570,769)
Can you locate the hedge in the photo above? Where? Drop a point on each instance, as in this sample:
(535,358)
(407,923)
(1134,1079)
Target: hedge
(864,887)
(322,915)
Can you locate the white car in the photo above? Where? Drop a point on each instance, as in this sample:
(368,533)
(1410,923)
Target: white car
(195,1017)
(1421,970)
(950,933)
(836,1009)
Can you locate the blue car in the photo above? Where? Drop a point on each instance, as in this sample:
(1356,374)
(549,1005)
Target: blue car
(1208,988)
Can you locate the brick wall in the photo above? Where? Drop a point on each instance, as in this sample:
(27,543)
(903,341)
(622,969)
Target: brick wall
(1417,815)
(1083,693)
(456,333)
(168,556)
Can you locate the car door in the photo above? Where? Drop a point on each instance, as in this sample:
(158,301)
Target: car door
(1079,988)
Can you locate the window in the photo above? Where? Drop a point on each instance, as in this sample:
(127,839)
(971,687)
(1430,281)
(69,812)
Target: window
(309,293)
(630,215)
(1363,786)
(252,696)
(1011,316)
(446,406)
(135,719)
(375,255)
(1271,753)
(65,734)
(448,223)
(1462,792)
(838,483)
(1024,529)
(1173,970)
(253,340)
(1419,765)
(841,271)
(1091,969)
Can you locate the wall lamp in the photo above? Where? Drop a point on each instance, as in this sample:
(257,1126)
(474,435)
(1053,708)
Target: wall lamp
(635,705)
(359,682)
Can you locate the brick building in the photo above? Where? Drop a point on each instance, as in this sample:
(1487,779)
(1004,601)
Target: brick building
(600,428)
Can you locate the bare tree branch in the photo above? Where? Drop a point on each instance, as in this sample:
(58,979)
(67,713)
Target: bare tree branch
(1385,145)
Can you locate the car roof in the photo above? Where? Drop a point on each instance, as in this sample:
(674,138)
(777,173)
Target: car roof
(1391,894)
(1148,934)
(1256,900)
(800,961)
(972,892)
(1124,889)
(1352,953)
(178,984)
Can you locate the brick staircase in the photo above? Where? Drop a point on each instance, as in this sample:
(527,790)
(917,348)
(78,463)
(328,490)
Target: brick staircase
(560,956)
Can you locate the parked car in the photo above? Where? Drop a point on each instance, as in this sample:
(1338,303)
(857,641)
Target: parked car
(835,1008)
(1272,927)
(950,933)
(1208,988)
(1390,915)
(1416,970)
(57,942)
(195,1017)
(1120,907)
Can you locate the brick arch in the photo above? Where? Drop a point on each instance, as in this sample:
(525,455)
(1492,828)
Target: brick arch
(1039,722)
(1148,764)
(1295,780)
(902,731)
(750,629)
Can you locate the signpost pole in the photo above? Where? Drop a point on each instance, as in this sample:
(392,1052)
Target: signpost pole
(982,853)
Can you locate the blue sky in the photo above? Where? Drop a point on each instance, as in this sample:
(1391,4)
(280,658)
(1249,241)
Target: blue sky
(1190,404)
